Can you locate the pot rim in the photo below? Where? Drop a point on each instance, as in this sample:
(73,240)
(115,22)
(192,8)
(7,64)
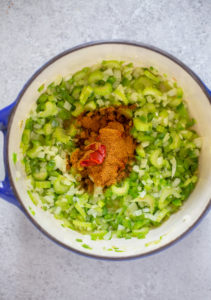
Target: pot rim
(18,99)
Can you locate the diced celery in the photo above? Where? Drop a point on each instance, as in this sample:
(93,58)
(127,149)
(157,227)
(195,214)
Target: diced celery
(111,64)
(83,225)
(103,90)
(141,233)
(80,74)
(179,92)
(156,158)
(141,83)
(149,107)
(25,139)
(33,152)
(78,110)
(164,86)
(41,174)
(122,190)
(50,110)
(48,129)
(98,235)
(80,210)
(151,76)
(164,117)
(166,192)
(43,184)
(152,91)
(41,88)
(85,93)
(95,76)
(32,197)
(175,102)
(161,214)
(76,93)
(59,186)
(148,200)
(27,165)
(141,126)
(90,106)
(42,98)
(140,151)
(119,92)
(61,135)
(176,141)
(72,130)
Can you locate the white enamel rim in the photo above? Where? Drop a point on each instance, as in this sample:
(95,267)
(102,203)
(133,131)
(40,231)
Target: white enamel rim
(76,248)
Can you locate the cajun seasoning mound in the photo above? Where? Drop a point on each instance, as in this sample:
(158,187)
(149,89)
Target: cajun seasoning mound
(111,128)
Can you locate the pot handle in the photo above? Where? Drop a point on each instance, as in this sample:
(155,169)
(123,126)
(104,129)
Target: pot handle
(6,191)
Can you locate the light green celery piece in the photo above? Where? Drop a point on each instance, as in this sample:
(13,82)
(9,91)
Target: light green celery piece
(34,151)
(80,210)
(59,186)
(80,74)
(61,135)
(151,76)
(48,129)
(163,116)
(25,140)
(103,90)
(193,179)
(175,102)
(95,76)
(85,93)
(121,95)
(86,246)
(43,184)
(98,235)
(141,83)
(72,130)
(179,92)
(120,191)
(160,215)
(41,174)
(148,200)
(87,226)
(31,211)
(78,109)
(176,141)
(76,92)
(141,126)
(156,158)
(90,106)
(41,88)
(152,91)
(111,64)
(140,151)
(141,233)
(50,110)
(32,197)
(62,202)
(14,157)
(166,192)
(149,107)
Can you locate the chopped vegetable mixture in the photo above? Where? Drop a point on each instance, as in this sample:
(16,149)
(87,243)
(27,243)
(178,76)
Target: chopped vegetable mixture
(111,151)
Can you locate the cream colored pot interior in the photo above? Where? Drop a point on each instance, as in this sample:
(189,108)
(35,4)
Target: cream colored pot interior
(199,107)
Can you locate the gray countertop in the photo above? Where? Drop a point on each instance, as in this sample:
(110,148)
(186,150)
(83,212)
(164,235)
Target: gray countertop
(33,267)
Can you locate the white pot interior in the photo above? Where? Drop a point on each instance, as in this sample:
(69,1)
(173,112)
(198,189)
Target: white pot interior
(200,109)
